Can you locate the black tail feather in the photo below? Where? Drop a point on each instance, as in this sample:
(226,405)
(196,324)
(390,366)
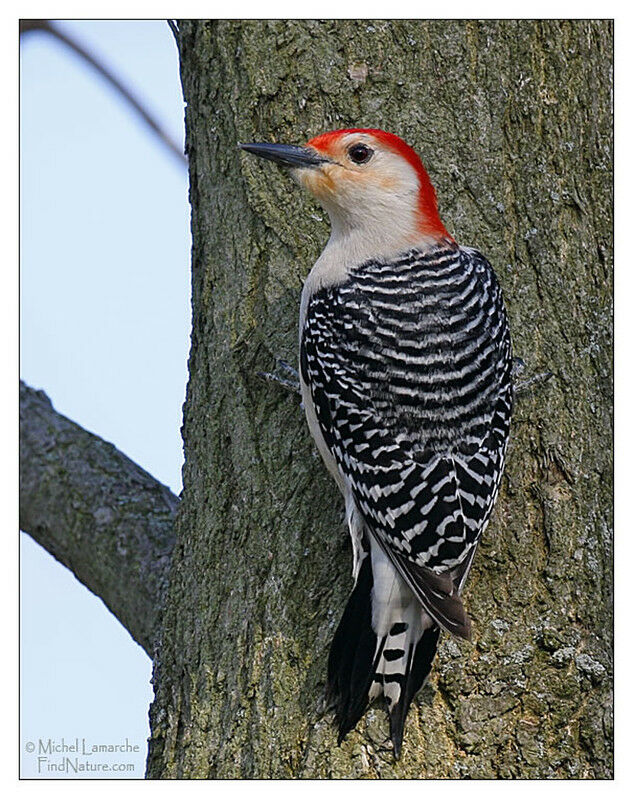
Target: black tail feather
(351,661)
(419,669)
(354,658)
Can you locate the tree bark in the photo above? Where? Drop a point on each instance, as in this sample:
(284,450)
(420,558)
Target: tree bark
(513,120)
(96,512)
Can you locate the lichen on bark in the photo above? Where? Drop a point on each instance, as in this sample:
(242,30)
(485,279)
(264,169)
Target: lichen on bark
(513,121)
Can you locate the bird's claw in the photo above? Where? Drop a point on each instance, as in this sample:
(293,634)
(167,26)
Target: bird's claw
(523,386)
(291,385)
(518,365)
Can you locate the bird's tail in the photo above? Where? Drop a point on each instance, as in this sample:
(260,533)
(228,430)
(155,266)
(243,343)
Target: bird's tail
(384,645)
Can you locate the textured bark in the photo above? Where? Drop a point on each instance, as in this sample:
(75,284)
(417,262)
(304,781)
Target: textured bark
(513,120)
(98,513)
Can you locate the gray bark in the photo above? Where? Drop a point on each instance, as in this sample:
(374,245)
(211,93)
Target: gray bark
(513,120)
(96,512)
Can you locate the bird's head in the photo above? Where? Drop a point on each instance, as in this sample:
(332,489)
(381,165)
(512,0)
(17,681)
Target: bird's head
(369,181)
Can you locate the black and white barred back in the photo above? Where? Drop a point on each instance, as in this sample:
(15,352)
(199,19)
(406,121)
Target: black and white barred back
(409,367)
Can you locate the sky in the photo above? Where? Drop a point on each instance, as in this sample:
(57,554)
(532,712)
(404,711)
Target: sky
(105,323)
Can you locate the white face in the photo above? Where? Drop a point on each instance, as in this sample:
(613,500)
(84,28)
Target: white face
(365,186)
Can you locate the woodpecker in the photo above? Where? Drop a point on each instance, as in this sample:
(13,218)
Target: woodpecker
(405,375)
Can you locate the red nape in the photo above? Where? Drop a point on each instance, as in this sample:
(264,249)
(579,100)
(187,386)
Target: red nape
(427,203)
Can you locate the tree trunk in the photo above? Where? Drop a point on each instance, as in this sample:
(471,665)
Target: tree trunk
(513,121)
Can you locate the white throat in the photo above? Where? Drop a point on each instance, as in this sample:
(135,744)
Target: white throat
(381,235)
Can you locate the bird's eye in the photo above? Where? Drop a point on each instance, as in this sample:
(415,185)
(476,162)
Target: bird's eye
(360,153)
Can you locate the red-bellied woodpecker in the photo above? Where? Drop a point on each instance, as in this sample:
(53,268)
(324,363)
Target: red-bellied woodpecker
(405,373)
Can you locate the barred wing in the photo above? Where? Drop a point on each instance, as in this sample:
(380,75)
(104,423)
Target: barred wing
(409,369)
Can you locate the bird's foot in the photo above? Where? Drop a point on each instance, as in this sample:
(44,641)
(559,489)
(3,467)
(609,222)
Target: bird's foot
(519,365)
(290,383)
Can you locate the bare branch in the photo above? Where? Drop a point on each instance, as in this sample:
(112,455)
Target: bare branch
(45,25)
(174,28)
(96,511)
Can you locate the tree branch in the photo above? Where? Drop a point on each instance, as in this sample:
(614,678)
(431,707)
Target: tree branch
(125,91)
(97,512)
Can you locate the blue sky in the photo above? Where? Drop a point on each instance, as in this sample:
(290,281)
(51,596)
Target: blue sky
(105,321)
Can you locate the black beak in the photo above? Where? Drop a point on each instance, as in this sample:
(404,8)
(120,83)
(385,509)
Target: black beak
(288,155)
